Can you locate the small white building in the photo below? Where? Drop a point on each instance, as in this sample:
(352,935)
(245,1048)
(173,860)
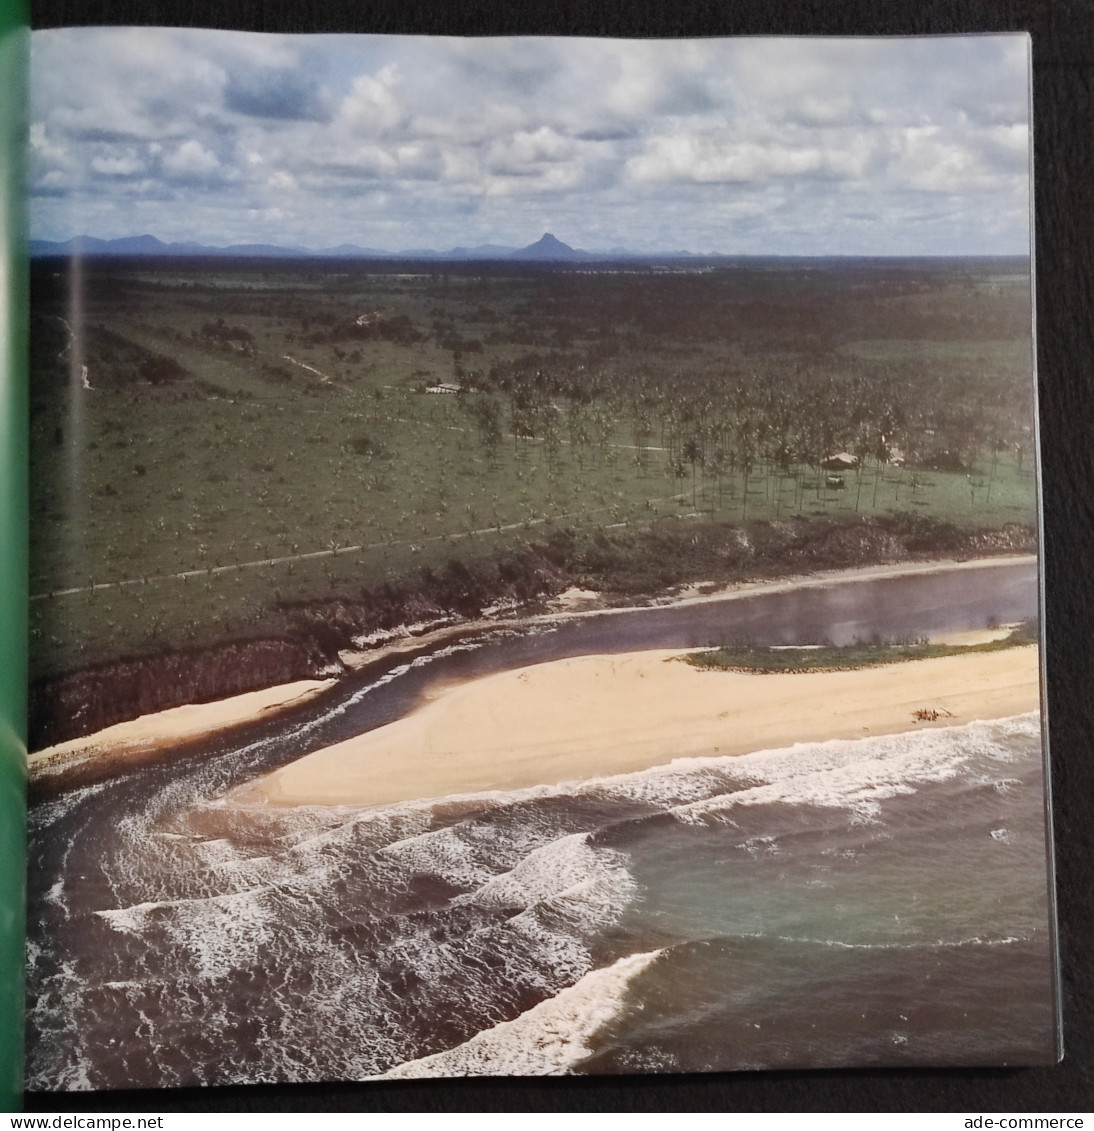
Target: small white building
(841,461)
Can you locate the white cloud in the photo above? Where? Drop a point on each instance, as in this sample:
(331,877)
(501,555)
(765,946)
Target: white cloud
(933,160)
(124,164)
(371,107)
(191,159)
(779,144)
(720,157)
(522,152)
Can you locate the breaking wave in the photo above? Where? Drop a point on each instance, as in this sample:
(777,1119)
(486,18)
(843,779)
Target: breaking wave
(550,1039)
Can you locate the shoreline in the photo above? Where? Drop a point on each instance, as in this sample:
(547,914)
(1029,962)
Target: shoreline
(599,716)
(647,563)
(149,737)
(397,644)
(146,738)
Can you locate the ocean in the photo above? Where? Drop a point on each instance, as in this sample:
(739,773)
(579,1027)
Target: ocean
(880,901)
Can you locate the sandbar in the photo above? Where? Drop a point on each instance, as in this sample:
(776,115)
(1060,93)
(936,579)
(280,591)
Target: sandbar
(141,740)
(594,716)
(151,735)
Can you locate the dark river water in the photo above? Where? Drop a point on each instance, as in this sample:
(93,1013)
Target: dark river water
(789,908)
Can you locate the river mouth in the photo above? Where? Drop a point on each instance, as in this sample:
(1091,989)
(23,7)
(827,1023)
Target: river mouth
(386,682)
(356,930)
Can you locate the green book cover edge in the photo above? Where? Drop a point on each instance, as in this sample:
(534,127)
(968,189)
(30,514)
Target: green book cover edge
(14,53)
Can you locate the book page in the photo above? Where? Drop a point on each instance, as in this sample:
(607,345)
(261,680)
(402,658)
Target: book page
(535,560)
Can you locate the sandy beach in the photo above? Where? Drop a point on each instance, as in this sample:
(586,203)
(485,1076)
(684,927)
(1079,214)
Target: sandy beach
(150,736)
(601,715)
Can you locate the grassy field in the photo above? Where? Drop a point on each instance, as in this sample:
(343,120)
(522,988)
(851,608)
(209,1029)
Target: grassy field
(214,447)
(848,657)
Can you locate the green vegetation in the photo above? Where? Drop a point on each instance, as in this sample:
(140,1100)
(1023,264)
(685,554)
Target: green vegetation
(223,453)
(873,653)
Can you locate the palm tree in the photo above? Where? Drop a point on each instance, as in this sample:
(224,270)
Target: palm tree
(692,452)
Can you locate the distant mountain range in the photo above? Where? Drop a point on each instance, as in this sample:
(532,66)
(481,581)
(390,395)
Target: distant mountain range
(546,249)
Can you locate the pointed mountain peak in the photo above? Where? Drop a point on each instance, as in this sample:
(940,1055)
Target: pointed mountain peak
(547,247)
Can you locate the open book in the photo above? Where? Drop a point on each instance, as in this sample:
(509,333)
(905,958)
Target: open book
(534,560)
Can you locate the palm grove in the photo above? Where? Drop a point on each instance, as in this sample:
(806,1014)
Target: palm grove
(308,454)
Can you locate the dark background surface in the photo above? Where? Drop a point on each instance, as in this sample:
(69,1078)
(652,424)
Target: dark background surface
(1063,95)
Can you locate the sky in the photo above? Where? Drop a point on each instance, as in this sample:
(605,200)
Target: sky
(731,146)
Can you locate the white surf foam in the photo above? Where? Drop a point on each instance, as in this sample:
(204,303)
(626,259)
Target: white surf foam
(548,1040)
(674,785)
(219,934)
(555,897)
(568,890)
(564,866)
(43,814)
(916,945)
(858,773)
(446,853)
